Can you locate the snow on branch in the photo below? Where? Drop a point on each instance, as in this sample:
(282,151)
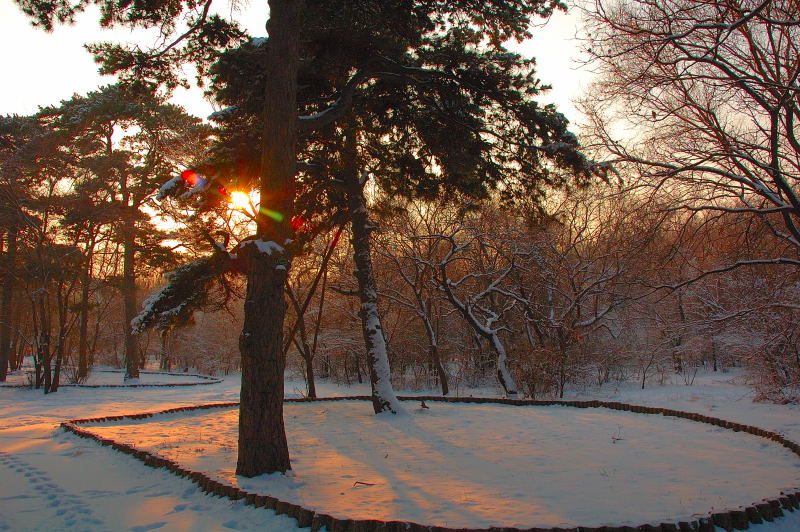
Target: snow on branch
(186,185)
(169,188)
(223,114)
(267,248)
(188,289)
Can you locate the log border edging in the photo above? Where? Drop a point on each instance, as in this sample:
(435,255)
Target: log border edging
(205,379)
(737,519)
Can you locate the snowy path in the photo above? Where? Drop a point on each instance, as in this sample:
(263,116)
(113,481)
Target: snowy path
(75,484)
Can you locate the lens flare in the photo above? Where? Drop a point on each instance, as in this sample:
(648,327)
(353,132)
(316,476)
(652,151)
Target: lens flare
(275,215)
(297,223)
(192,178)
(239,200)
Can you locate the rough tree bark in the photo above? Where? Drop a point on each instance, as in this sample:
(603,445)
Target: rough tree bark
(262,437)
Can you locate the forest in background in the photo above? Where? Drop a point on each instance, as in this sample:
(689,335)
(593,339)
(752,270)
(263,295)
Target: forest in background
(502,252)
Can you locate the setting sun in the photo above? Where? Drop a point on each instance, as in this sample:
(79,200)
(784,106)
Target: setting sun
(239,200)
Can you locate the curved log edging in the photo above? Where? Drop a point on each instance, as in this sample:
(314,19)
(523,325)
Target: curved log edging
(205,379)
(737,519)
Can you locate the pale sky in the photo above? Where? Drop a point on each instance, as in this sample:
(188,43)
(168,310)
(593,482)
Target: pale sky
(40,69)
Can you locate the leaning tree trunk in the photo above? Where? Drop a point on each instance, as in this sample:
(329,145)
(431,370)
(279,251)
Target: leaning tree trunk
(128,290)
(262,436)
(5,304)
(503,374)
(383,396)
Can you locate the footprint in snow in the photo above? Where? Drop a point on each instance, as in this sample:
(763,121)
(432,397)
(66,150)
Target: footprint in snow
(158,494)
(74,511)
(145,528)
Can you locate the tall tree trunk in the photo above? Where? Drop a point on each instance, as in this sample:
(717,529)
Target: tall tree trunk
(503,374)
(262,436)
(383,396)
(44,344)
(17,352)
(60,343)
(83,327)
(128,290)
(5,304)
(714,353)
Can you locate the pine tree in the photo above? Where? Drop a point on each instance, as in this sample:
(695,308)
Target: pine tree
(262,441)
(15,132)
(123,143)
(455,117)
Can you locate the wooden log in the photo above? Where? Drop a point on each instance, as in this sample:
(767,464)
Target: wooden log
(705,525)
(739,520)
(270,502)
(281,507)
(341,525)
(367,525)
(793,500)
(776,508)
(319,521)
(753,515)
(304,517)
(765,511)
(722,520)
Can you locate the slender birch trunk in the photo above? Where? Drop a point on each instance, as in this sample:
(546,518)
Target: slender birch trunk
(383,396)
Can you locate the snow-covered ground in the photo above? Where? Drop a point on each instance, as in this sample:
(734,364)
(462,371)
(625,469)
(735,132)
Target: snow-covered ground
(53,480)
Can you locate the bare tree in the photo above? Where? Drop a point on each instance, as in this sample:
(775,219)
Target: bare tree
(700,99)
(472,271)
(408,253)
